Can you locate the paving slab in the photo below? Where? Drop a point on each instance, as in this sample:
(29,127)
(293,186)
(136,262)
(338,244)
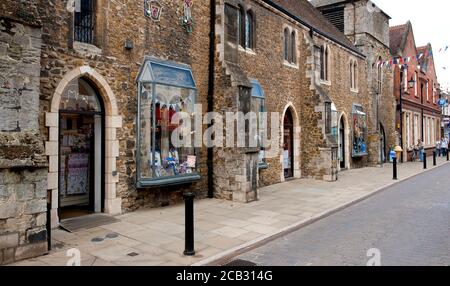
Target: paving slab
(156,236)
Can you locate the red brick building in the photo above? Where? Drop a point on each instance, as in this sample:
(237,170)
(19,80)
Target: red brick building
(419,117)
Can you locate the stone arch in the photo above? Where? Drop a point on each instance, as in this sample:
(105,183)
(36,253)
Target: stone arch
(344,118)
(113,121)
(297,131)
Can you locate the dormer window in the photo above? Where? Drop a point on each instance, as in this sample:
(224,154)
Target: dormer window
(84,21)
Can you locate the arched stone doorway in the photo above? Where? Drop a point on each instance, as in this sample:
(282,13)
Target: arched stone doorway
(290,143)
(343,141)
(383,146)
(81,152)
(100,108)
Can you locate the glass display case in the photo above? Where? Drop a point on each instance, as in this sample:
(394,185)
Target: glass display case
(359,126)
(167,95)
(258,106)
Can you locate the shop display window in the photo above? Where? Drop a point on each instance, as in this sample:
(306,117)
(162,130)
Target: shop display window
(334,122)
(258,106)
(165,89)
(359,132)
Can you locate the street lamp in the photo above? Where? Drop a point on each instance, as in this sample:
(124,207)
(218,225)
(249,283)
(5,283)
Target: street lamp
(411,82)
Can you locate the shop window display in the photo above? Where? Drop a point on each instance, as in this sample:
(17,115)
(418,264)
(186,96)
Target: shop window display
(258,106)
(359,132)
(166,89)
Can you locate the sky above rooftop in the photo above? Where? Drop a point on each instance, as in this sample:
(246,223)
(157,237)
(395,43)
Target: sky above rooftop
(431,24)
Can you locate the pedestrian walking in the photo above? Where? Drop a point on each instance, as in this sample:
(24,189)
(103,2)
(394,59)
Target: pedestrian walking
(438,148)
(421,151)
(444,146)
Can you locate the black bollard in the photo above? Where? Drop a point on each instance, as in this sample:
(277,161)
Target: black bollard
(394,170)
(424,160)
(434,158)
(189,224)
(49,226)
(448,152)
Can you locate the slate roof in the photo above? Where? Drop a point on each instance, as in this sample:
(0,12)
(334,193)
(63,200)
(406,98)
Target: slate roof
(397,37)
(304,12)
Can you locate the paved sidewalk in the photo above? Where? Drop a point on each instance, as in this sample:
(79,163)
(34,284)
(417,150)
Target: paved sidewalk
(156,236)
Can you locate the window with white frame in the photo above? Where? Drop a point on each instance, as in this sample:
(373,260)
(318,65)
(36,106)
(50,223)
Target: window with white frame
(405,79)
(433,94)
(415,129)
(408,130)
(433,130)
(416,85)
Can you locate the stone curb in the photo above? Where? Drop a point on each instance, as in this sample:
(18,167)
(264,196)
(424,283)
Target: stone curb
(228,255)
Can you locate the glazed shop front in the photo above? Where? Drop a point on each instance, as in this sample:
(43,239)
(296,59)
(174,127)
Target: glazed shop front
(83,146)
(166,112)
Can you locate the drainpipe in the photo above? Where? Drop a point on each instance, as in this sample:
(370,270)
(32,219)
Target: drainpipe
(354,22)
(210,98)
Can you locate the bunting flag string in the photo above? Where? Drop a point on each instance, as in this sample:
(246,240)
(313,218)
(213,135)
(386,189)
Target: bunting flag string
(405,60)
(174,106)
(443,49)
(401,61)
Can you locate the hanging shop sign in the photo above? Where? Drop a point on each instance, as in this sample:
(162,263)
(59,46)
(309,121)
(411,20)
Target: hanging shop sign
(187,22)
(442,102)
(152,9)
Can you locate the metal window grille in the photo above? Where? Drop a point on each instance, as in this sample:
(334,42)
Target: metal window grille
(84,22)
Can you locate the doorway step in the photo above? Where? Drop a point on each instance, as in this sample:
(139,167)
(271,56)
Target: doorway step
(86,222)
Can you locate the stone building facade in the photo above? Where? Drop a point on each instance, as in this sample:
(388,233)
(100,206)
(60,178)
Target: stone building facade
(23,165)
(420,112)
(107,78)
(311,81)
(367,26)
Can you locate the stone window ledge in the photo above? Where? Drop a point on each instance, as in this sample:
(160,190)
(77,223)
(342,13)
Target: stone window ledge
(247,51)
(290,65)
(325,82)
(171,181)
(84,48)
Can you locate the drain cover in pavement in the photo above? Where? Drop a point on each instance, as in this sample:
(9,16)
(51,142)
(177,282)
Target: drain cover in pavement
(112,235)
(97,239)
(240,262)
